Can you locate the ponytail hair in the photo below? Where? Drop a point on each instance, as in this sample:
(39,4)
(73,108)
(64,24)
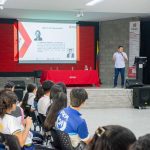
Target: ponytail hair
(25,100)
(55,90)
(39,93)
(30,89)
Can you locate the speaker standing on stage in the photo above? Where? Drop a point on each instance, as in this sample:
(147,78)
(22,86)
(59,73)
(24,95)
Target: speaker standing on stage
(119,57)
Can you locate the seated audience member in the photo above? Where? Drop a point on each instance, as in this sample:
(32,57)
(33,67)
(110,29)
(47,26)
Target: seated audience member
(29,97)
(64,89)
(112,137)
(63,86)
(44,102)
(9,142)
(143,143)
(70,121)
(39,94)
(18,113)
(55,90)
(9,85)
(57,105)
(9,123)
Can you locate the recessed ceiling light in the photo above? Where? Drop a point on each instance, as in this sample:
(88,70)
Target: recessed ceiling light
(2,2)
(93,2)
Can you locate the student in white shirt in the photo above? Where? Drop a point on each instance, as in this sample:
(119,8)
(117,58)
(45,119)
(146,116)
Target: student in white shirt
(39,94)
(18,112)
(44,102)
(9,123)
(119,58)
(29,97)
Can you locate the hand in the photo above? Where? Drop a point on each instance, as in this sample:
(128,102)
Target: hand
(122,54)
(28,122)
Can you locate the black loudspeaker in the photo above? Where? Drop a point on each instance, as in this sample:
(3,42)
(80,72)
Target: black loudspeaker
(19,84)
(141,96)
(131,83)
(19,93)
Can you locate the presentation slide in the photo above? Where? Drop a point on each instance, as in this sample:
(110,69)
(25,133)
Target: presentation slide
(47,42)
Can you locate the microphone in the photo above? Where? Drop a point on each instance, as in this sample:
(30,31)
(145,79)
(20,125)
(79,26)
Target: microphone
(122,54)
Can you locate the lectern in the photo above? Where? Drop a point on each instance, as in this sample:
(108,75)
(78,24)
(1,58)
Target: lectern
(140,62)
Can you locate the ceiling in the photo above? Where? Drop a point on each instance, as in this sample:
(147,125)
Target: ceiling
(67,9)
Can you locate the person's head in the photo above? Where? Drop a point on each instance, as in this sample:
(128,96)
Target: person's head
(63,86)
(55,90)
(120,48)
(112,137)
(37,33)
(31,88)
(8,101)
(9,85)
(143,143)
(39,93)
(47,85)
(58,104)
(77,97)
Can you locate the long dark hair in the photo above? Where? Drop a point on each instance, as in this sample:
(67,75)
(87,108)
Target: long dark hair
(7,99)
(63,86)
(112,137)
(30,89)
(55,90)
(57,105)
(39,93)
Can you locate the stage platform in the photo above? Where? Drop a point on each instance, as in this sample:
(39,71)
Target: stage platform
(100,98)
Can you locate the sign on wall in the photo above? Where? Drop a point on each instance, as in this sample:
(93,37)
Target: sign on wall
(134,41)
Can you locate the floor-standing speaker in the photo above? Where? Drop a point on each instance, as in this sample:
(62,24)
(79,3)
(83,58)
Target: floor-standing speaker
(141,96)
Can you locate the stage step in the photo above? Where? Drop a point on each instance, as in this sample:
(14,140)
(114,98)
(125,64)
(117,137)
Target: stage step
(108,98)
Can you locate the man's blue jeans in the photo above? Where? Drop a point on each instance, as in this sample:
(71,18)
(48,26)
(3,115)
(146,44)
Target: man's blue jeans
(122,72)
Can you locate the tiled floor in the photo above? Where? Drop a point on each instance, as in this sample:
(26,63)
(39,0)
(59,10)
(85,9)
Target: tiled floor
(136,120)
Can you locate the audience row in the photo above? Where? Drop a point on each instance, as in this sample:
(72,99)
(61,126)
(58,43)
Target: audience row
(49,103)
